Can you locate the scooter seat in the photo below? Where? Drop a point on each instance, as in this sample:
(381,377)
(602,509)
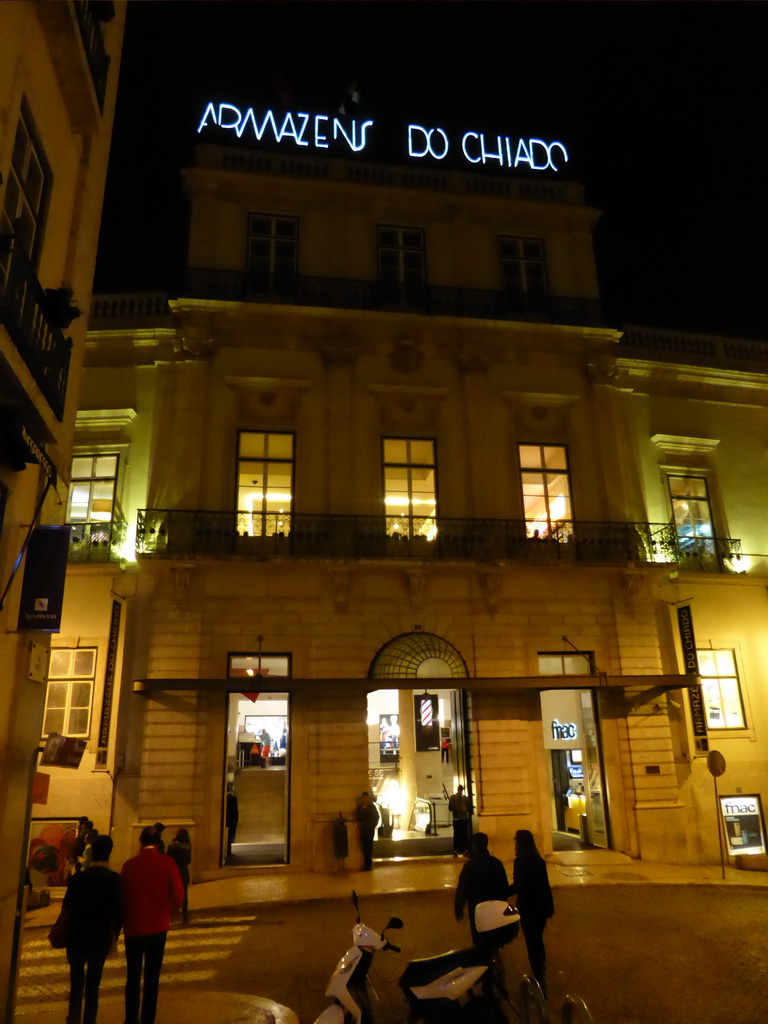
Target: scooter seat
(428,969)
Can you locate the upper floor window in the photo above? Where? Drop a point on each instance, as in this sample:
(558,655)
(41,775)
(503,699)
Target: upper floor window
(264,483)
(546,485)
(92,490)
(410,497)
(26,192)
(401,263)
(721,690)
(523,267)
(692,515)
(568,663)
(71,676)
(272,250)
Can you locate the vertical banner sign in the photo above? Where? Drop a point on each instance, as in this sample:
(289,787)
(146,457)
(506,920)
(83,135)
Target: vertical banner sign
(691,661)
(427,726)
(109,675)
(42,592)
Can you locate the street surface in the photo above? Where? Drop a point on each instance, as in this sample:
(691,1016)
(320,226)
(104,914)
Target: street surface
(636,954)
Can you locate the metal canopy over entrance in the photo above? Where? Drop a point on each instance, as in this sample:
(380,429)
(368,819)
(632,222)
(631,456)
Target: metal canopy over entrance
(656,684)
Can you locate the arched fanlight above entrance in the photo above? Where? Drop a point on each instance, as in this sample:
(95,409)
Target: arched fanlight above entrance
(417,656)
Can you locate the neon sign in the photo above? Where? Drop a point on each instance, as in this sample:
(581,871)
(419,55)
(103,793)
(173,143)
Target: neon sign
(324,131)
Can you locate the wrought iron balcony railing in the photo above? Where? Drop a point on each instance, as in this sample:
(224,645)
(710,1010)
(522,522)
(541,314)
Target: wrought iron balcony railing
(96,54)
(181,533)
(430,300)
(42,345)
(96,542)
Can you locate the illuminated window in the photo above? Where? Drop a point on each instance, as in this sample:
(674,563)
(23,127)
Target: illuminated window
(409,487)
(264,483)
(70,691)
(573,663)
(546,487)
(692,515)
(523,267)
(721,690)
(92,490)
(27,188)
(401,264)
(272,251)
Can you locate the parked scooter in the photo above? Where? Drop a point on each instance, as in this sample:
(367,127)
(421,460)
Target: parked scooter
(442,988)
(347,986)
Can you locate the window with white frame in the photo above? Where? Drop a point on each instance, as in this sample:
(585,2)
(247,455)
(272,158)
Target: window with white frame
(523,267)
(410,497)
(272,249)
(71,675)
(692,514)
(721,689)
(264,483)
(401,262)
(546,485)
(27,188)
(92,489)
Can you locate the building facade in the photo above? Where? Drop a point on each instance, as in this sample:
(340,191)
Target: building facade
(58,79)
(380,503)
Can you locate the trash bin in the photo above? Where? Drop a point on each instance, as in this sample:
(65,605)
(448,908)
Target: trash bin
(340,838)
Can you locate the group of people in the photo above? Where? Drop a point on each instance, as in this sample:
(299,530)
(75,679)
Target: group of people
(140,901)
(484,877)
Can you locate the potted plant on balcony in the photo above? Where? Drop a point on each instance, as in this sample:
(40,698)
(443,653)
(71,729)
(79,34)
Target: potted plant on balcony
(60,309)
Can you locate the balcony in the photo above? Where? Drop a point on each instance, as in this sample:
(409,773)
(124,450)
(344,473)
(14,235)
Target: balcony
(427,300)
(181,533)
(41,345)
(95,542)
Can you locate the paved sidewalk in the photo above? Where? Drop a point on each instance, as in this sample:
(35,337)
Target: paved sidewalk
(429,874)
(264,887)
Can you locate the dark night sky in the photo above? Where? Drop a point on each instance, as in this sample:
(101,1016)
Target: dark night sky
(662,107)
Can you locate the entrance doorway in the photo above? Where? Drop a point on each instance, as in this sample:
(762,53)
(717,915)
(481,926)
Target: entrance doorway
(257,765)
(571,738)
(416,743)
(415,762)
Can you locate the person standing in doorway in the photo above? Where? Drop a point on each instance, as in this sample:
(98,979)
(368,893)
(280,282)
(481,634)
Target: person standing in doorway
(231,818)
(93,902)
(152,891)
(459,807)
(530,883)
(367,818)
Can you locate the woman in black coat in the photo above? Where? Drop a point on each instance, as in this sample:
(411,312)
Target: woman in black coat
(181,851)
(530,884)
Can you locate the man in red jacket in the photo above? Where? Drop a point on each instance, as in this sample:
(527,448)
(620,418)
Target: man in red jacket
(152,891)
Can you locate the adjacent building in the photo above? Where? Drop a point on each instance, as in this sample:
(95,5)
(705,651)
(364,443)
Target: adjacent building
(58,77)
(379,502)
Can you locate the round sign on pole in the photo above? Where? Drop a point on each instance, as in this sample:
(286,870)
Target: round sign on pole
(715,763)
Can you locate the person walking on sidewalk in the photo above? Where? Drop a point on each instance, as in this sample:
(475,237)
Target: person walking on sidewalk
(530,883)
(152,891)
(482,878)
(459,807)
(180,851)
(94,907)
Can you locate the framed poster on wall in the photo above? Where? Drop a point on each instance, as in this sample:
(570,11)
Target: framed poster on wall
(743,824)
(51,845)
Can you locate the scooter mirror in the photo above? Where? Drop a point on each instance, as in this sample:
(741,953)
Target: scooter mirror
(394,922)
